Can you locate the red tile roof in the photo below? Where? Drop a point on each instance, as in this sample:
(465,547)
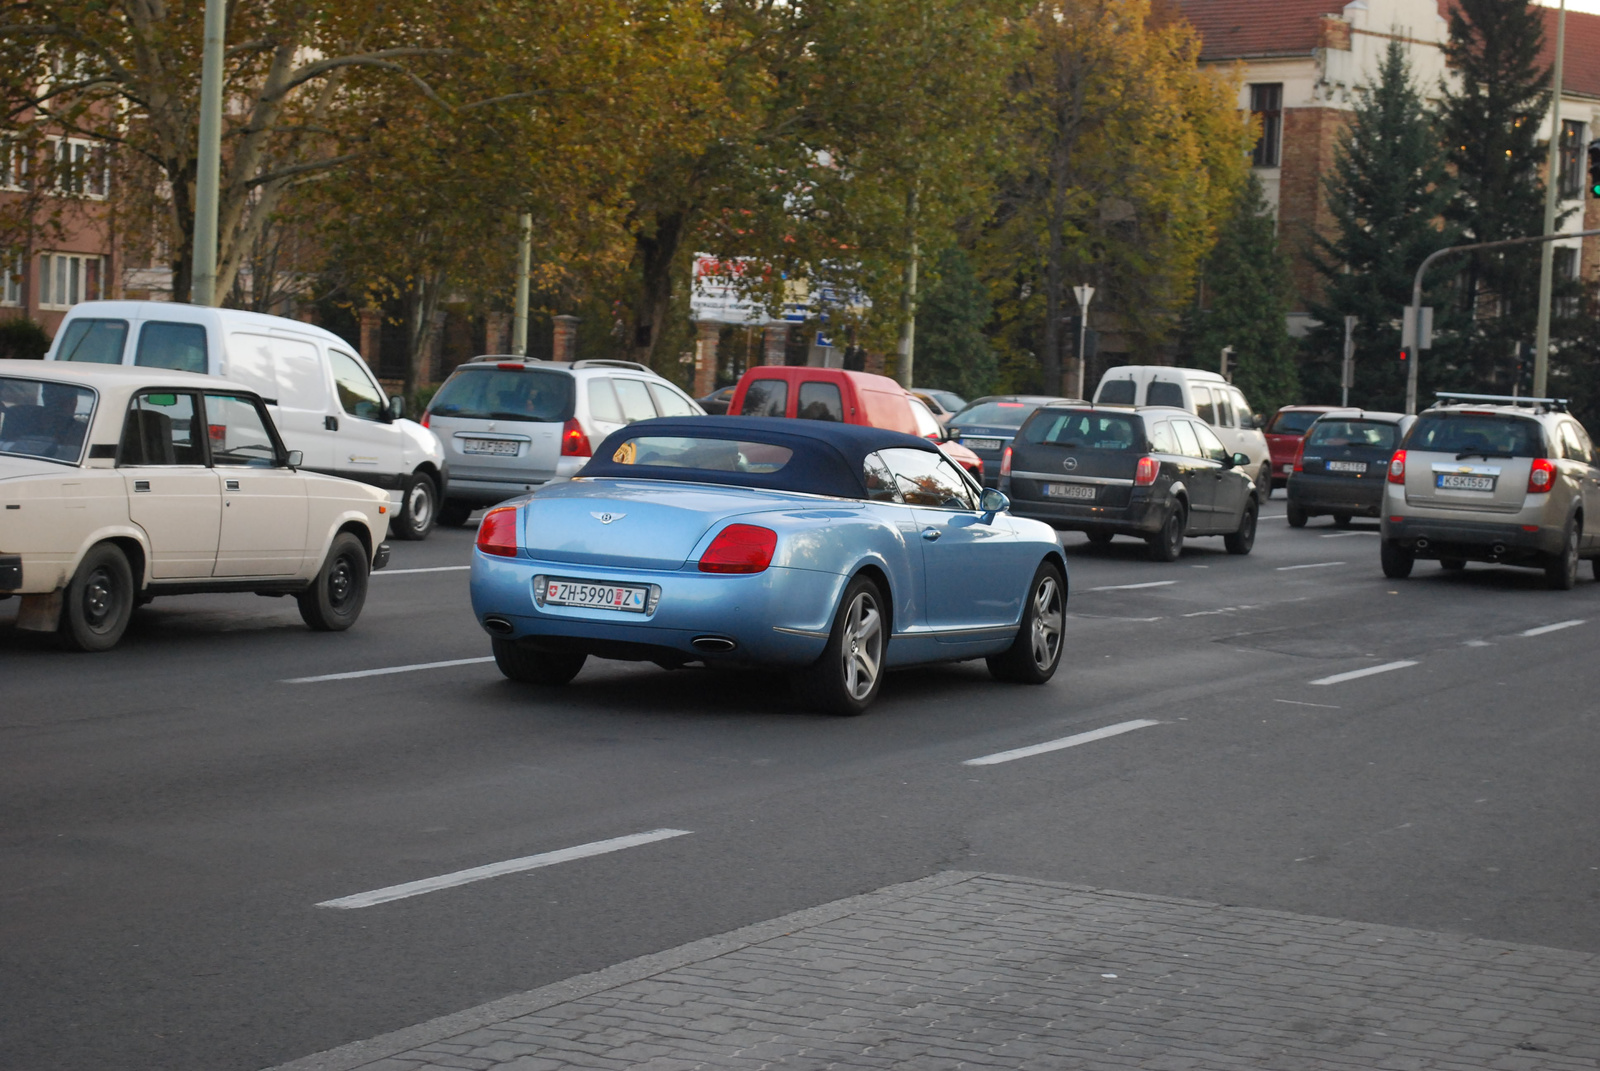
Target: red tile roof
(1581,72)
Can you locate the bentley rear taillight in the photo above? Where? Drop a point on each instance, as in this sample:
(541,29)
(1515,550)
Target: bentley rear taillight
(497,534)
(740,548)
(1542,477)
(1145,475)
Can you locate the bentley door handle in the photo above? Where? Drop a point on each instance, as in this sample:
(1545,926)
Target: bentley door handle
(930,533)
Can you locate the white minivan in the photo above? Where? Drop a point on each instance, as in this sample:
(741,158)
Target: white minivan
(325,401)
(1205,394)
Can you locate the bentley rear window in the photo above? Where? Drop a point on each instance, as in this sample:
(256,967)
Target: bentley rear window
(1084,430)
(706,454)
(43,419)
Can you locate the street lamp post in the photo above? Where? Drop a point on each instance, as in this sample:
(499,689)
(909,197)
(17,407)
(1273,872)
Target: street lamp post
(1347,371)
(208,161)
(1541,343)
(519,316)
(1084,294)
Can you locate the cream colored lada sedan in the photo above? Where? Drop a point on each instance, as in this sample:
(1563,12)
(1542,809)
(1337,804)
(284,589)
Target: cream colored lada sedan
(118,484)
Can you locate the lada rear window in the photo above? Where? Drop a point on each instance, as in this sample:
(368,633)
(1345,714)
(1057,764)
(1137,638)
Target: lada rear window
(711,455)
(1476,434)
(1352,433)
(1084,430)
(43,419)
(502,394)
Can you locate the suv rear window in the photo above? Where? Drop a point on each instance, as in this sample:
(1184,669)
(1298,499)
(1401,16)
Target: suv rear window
(1084,430)
(502,394)
(1352,433)
(1476,434)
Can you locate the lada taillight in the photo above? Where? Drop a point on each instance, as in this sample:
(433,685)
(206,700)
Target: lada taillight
(1397,468)
(1005,462)
(1145,475)
(740,548)
(1541,477)
(497,533)
(574,443)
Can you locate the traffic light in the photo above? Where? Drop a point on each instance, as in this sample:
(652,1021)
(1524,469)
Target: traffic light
(1594,168)
(1405,356)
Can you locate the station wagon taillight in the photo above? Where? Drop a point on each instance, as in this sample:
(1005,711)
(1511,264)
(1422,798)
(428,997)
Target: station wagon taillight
(1005,462)
(1542,477)
(497,534)
(740,548)
(1145,475)
(1397,467)
(574,443)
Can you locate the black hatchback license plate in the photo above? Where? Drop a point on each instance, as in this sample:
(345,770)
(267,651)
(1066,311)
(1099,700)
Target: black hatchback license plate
(1080,491)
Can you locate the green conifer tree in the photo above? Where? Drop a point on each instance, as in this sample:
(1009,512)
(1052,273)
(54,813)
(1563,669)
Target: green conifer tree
(1247,293)
(1388,193)
(952,351)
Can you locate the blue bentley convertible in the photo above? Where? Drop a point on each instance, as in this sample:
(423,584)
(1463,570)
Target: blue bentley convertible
(829,551)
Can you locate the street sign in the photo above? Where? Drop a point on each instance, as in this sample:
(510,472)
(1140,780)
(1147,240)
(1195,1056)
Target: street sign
(1410,337)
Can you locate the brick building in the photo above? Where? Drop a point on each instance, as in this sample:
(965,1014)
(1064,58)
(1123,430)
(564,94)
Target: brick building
(57,243)
(1303,60)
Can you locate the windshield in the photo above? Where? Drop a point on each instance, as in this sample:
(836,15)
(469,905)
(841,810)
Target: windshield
(505,394)
(1083,430)
(1476,435)
(714,455)
(1292,422)
(1351,433)
(995,414)
(43,419)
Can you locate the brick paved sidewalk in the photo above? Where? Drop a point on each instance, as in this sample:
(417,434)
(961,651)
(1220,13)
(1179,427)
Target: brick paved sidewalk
(988,971)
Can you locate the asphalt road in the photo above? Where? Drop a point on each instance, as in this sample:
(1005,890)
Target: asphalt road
(172,812)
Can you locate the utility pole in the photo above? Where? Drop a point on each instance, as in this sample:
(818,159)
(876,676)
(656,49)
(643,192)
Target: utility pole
(208,169)
(519,317)
(1084,294)
(1541,342)
(1347,371)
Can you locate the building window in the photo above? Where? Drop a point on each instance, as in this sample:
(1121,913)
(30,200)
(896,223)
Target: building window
(1565,269)
(67,278)
(81,168)
(1266,102)
(11,290)
(1572,159)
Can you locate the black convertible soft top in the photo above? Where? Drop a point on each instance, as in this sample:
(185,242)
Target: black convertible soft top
(827,457)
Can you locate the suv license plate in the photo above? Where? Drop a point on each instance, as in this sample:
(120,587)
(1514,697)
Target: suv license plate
(594,594)
(1347,466)
(506,447)
(1455,481)
(1069,490)
(980,444)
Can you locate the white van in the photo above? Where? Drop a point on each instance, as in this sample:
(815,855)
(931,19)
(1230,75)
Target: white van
(325,401)
(1206,395)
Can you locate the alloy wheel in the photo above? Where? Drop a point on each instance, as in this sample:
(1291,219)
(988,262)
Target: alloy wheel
(1049,616)
(862,649)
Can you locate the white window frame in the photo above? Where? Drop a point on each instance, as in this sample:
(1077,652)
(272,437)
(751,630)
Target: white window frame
(68,272)
(11,281)
(76,168)
(13,165)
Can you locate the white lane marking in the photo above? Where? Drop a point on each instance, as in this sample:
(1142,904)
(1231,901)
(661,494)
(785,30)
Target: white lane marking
(1066,741)
(1313,565)
(1557,627)
(434,569)
(1339,678)
(1224,610)
(1479,643)
(1135,587)
(1341,535)
(385,671)
(495,870)
(1298,703)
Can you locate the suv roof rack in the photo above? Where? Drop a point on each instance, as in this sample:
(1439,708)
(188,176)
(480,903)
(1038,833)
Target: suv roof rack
(507,357)
(602,362)
(1550,405)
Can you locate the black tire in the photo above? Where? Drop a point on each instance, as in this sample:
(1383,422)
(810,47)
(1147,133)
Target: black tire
(98,601)
(1297,516)
(1100,539)
(1397,561)
(528,665)
(1341,520)
(1167,544)
(1264,483)
(1454,565)
(419,508)
(1034,655)
(835,683)
(1561,571)
(454,513)
(333,601)
(1241,541)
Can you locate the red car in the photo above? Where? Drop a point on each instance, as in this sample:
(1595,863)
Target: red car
(1285,432)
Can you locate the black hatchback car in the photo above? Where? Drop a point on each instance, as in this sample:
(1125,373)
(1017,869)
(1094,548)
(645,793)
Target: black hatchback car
(1341,466)
(987,425)
(1154,472)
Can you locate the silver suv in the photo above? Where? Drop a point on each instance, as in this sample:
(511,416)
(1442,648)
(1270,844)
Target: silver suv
(511,424)
(1494,479)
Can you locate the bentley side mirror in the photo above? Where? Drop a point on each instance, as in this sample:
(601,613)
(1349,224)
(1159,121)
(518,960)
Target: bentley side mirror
(294,458)
(991,503)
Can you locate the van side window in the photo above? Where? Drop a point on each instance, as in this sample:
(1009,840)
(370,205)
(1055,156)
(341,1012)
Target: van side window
(766,397)
(1241,409)
(93,341)
(358,394)
(820,401)
(603,401)
(1117,392)
(635,399)
(1224,410)
(1164,393)
(181,347)
(1202,404)
(670,402)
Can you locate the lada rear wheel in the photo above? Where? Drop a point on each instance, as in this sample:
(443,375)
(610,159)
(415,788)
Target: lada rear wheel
(1241,541)
(846,679)
(418,509)
(529,665)
(334,600)
(98,600)
(1034,655)
(1167,544)
(1397,560)
(1561,573)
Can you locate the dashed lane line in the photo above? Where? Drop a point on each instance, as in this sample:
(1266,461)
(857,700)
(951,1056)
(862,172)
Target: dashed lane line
(495,870)
(1557,627)
(1064,742)
(386,670)
(1341,535)
(1313,565)
(1135,587)
(1340,678)
(434,569)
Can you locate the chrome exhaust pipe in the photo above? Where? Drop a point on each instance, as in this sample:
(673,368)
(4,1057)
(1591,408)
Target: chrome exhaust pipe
(498,625)
(1422,544)
(1498,550)
(712,644)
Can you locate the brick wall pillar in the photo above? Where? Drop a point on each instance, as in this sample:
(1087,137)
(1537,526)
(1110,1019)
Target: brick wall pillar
(705,357)
(774,341)
(873,363)
(371,326)
(497,332)
(566,338)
